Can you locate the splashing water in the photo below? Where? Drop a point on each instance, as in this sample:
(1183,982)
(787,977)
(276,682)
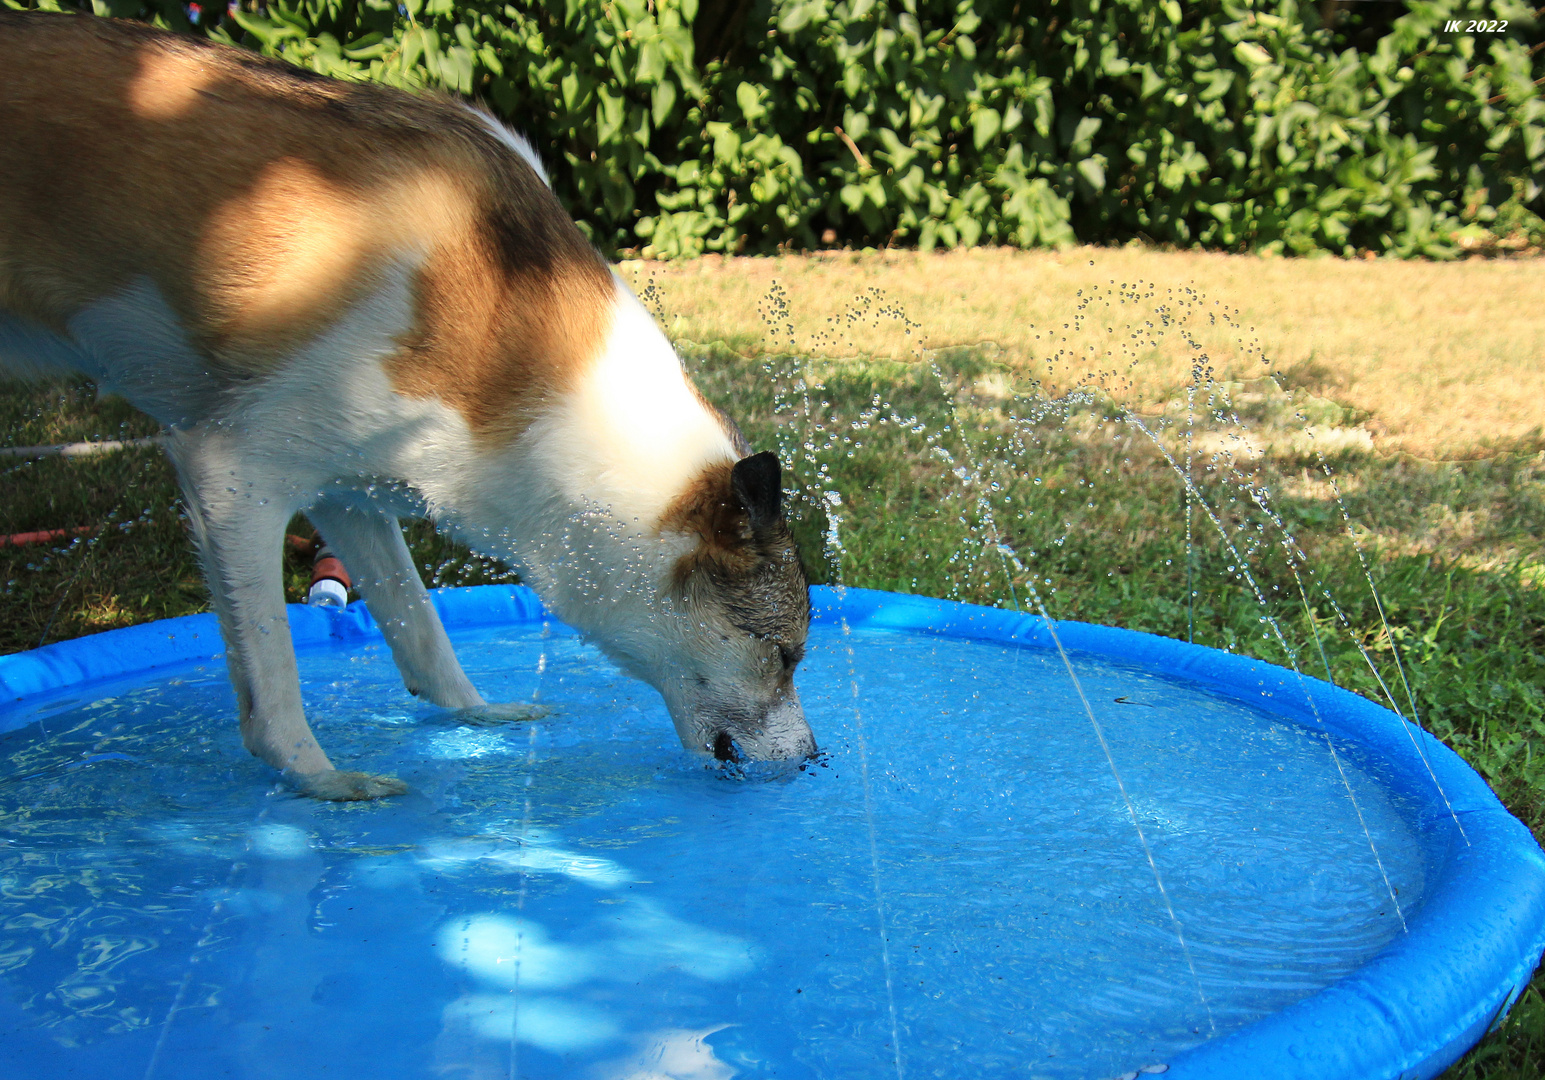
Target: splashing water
(1024,427)
(990,431)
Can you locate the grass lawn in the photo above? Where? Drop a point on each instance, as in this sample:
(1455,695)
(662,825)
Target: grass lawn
(1014,429)
(1444,359)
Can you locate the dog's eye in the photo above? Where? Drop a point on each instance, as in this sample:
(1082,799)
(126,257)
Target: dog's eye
(789,656)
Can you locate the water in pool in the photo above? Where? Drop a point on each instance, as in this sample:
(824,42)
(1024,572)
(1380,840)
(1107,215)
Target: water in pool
(576,897)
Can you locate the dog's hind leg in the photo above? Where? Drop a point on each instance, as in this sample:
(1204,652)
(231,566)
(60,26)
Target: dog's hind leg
(238,520)
(369,541)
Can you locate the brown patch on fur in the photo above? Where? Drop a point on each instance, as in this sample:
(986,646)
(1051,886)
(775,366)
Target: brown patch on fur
(263,201)
(709,510)
(754,576)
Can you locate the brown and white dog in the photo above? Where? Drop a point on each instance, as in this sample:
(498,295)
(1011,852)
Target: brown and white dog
(363,304)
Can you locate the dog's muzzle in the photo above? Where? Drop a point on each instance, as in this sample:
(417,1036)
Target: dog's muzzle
(780,734)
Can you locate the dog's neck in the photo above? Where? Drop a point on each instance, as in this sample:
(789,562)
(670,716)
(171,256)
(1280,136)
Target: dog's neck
(578,501)
(633,434)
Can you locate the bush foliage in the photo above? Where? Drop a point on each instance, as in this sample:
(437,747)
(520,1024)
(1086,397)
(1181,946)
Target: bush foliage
(685,126)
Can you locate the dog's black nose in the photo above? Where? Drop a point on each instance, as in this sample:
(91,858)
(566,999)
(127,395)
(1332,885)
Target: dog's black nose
(724,747)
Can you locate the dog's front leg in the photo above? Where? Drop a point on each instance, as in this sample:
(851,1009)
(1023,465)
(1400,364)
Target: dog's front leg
(238,521)
(369,541)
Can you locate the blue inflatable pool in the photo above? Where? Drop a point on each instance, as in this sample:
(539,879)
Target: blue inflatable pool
(1144,857)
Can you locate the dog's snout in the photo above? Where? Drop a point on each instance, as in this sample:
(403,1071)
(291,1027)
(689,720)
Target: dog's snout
(740,733)
(724,747)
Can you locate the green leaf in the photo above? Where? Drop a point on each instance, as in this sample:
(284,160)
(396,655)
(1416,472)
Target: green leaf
(1043,113)
(432,52)
(1152,83)
(874,191)
(726,143)
(1083,135)
(1251,55)
(1092,169)
(458,69)
(662,100)
(638,126)
(412,48)
(1218,83)
(749,97)
(796,18)
(970,231)
(928,236)
(897,152)
(368,47)
(609,115)
(651,62)
(985,124)
(1534,141)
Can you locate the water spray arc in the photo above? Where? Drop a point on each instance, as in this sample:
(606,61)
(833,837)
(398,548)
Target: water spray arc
(823,435)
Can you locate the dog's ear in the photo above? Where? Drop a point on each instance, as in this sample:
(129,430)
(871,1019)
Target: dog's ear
(757,482)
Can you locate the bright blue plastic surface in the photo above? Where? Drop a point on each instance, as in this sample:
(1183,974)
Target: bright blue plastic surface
(1408,1013)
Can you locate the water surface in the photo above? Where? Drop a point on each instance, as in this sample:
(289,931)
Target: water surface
(576,897)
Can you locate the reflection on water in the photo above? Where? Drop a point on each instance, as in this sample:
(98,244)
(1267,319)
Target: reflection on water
(513,961)
(166,912)
(671,1053)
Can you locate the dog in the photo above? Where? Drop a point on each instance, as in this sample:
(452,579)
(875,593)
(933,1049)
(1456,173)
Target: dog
(366,304)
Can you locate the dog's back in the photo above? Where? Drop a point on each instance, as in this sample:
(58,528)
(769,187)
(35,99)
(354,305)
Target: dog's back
(258,202)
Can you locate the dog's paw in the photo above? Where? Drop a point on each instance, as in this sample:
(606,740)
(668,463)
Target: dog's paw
(340,786)
(513,712)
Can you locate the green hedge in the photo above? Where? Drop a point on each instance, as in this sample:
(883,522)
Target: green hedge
(682,126)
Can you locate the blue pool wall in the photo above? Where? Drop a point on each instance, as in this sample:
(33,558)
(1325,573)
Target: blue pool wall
(1413,1010)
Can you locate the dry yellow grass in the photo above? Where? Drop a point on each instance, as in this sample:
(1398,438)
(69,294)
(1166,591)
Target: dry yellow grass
(1445,358)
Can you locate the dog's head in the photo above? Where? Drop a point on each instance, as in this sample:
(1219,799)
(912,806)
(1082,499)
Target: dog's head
(738,608)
